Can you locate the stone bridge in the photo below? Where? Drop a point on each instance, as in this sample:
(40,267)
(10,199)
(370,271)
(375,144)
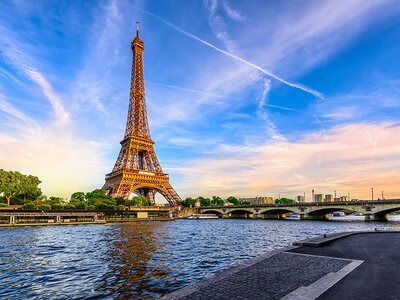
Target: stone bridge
(372,210)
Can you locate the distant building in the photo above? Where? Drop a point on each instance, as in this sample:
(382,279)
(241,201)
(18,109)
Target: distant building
(300,198)
(344,198)
(258,200)
(328,198)
(336,200)
(312,196)
(319,198)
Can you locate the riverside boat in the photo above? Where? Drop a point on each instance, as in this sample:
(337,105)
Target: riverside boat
(339,214)
(292,217)
(203,216)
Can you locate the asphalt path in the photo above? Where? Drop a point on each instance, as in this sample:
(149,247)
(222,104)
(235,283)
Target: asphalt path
(378,277)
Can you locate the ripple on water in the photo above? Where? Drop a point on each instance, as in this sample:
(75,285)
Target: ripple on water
(140,260)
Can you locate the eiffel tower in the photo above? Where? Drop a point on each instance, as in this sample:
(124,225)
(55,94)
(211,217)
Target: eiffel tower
(137,169)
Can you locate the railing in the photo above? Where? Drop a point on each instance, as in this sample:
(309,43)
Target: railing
(359,202)
(48,213)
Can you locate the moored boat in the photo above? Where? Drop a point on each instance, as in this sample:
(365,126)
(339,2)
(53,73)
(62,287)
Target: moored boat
(203,216)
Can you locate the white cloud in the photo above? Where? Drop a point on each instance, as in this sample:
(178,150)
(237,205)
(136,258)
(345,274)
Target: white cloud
(346,158)
(231,13)
(61,115)
(51,149)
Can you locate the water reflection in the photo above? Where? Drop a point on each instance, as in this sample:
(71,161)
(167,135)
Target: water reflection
(138,262)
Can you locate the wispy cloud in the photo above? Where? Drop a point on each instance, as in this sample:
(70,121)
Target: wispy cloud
(61,115)
(219,26)
(231,13)
(264,71)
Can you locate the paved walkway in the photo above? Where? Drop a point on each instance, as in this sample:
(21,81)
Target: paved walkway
(378,277)
(357,266)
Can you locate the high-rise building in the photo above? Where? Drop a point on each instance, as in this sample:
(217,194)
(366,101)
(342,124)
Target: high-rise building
(258,200)
(300,198)
(312,196)
(344,198)
(319,198)
(328,198)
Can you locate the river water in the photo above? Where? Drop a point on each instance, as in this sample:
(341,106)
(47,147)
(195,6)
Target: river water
(143,260)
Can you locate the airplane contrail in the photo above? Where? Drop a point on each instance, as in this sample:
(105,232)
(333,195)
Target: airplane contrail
(295,85)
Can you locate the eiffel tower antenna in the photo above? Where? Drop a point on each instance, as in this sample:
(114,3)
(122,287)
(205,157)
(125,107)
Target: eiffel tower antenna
(137,169)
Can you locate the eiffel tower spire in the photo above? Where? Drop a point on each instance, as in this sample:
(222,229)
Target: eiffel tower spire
(137,123)
(137,168)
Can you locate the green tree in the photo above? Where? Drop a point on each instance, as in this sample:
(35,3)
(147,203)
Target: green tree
(217,201)
(44,206)
(139,201)
(78,195)
(57,206)
(29,205)
(97,193)
(28,186)
(204,201)
(283,201)
(53,200)
(105,206)
(76,204)
(233,200)
(120,200)
(189,202)
(9,183)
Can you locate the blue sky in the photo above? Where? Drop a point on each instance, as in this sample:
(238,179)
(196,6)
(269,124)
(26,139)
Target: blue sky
(244,98)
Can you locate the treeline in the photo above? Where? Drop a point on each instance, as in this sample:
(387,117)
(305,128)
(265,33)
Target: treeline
(215,200)
(98,200)
(20,189)
(94,200)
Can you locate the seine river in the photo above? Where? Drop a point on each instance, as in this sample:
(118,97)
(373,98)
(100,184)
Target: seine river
(140,260)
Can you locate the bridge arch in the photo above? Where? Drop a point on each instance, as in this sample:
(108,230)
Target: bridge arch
(275,213)
(322,213)
(217,212)
(240,213)
(382,215)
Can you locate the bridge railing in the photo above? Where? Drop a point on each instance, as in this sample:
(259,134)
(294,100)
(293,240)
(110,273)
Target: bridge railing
(339,203)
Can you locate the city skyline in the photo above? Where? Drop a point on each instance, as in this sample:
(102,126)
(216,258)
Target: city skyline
(243,99)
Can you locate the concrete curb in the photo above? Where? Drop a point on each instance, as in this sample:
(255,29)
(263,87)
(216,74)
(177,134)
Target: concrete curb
(328,238)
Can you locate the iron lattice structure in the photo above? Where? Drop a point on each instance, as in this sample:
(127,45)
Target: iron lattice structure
(137,168)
